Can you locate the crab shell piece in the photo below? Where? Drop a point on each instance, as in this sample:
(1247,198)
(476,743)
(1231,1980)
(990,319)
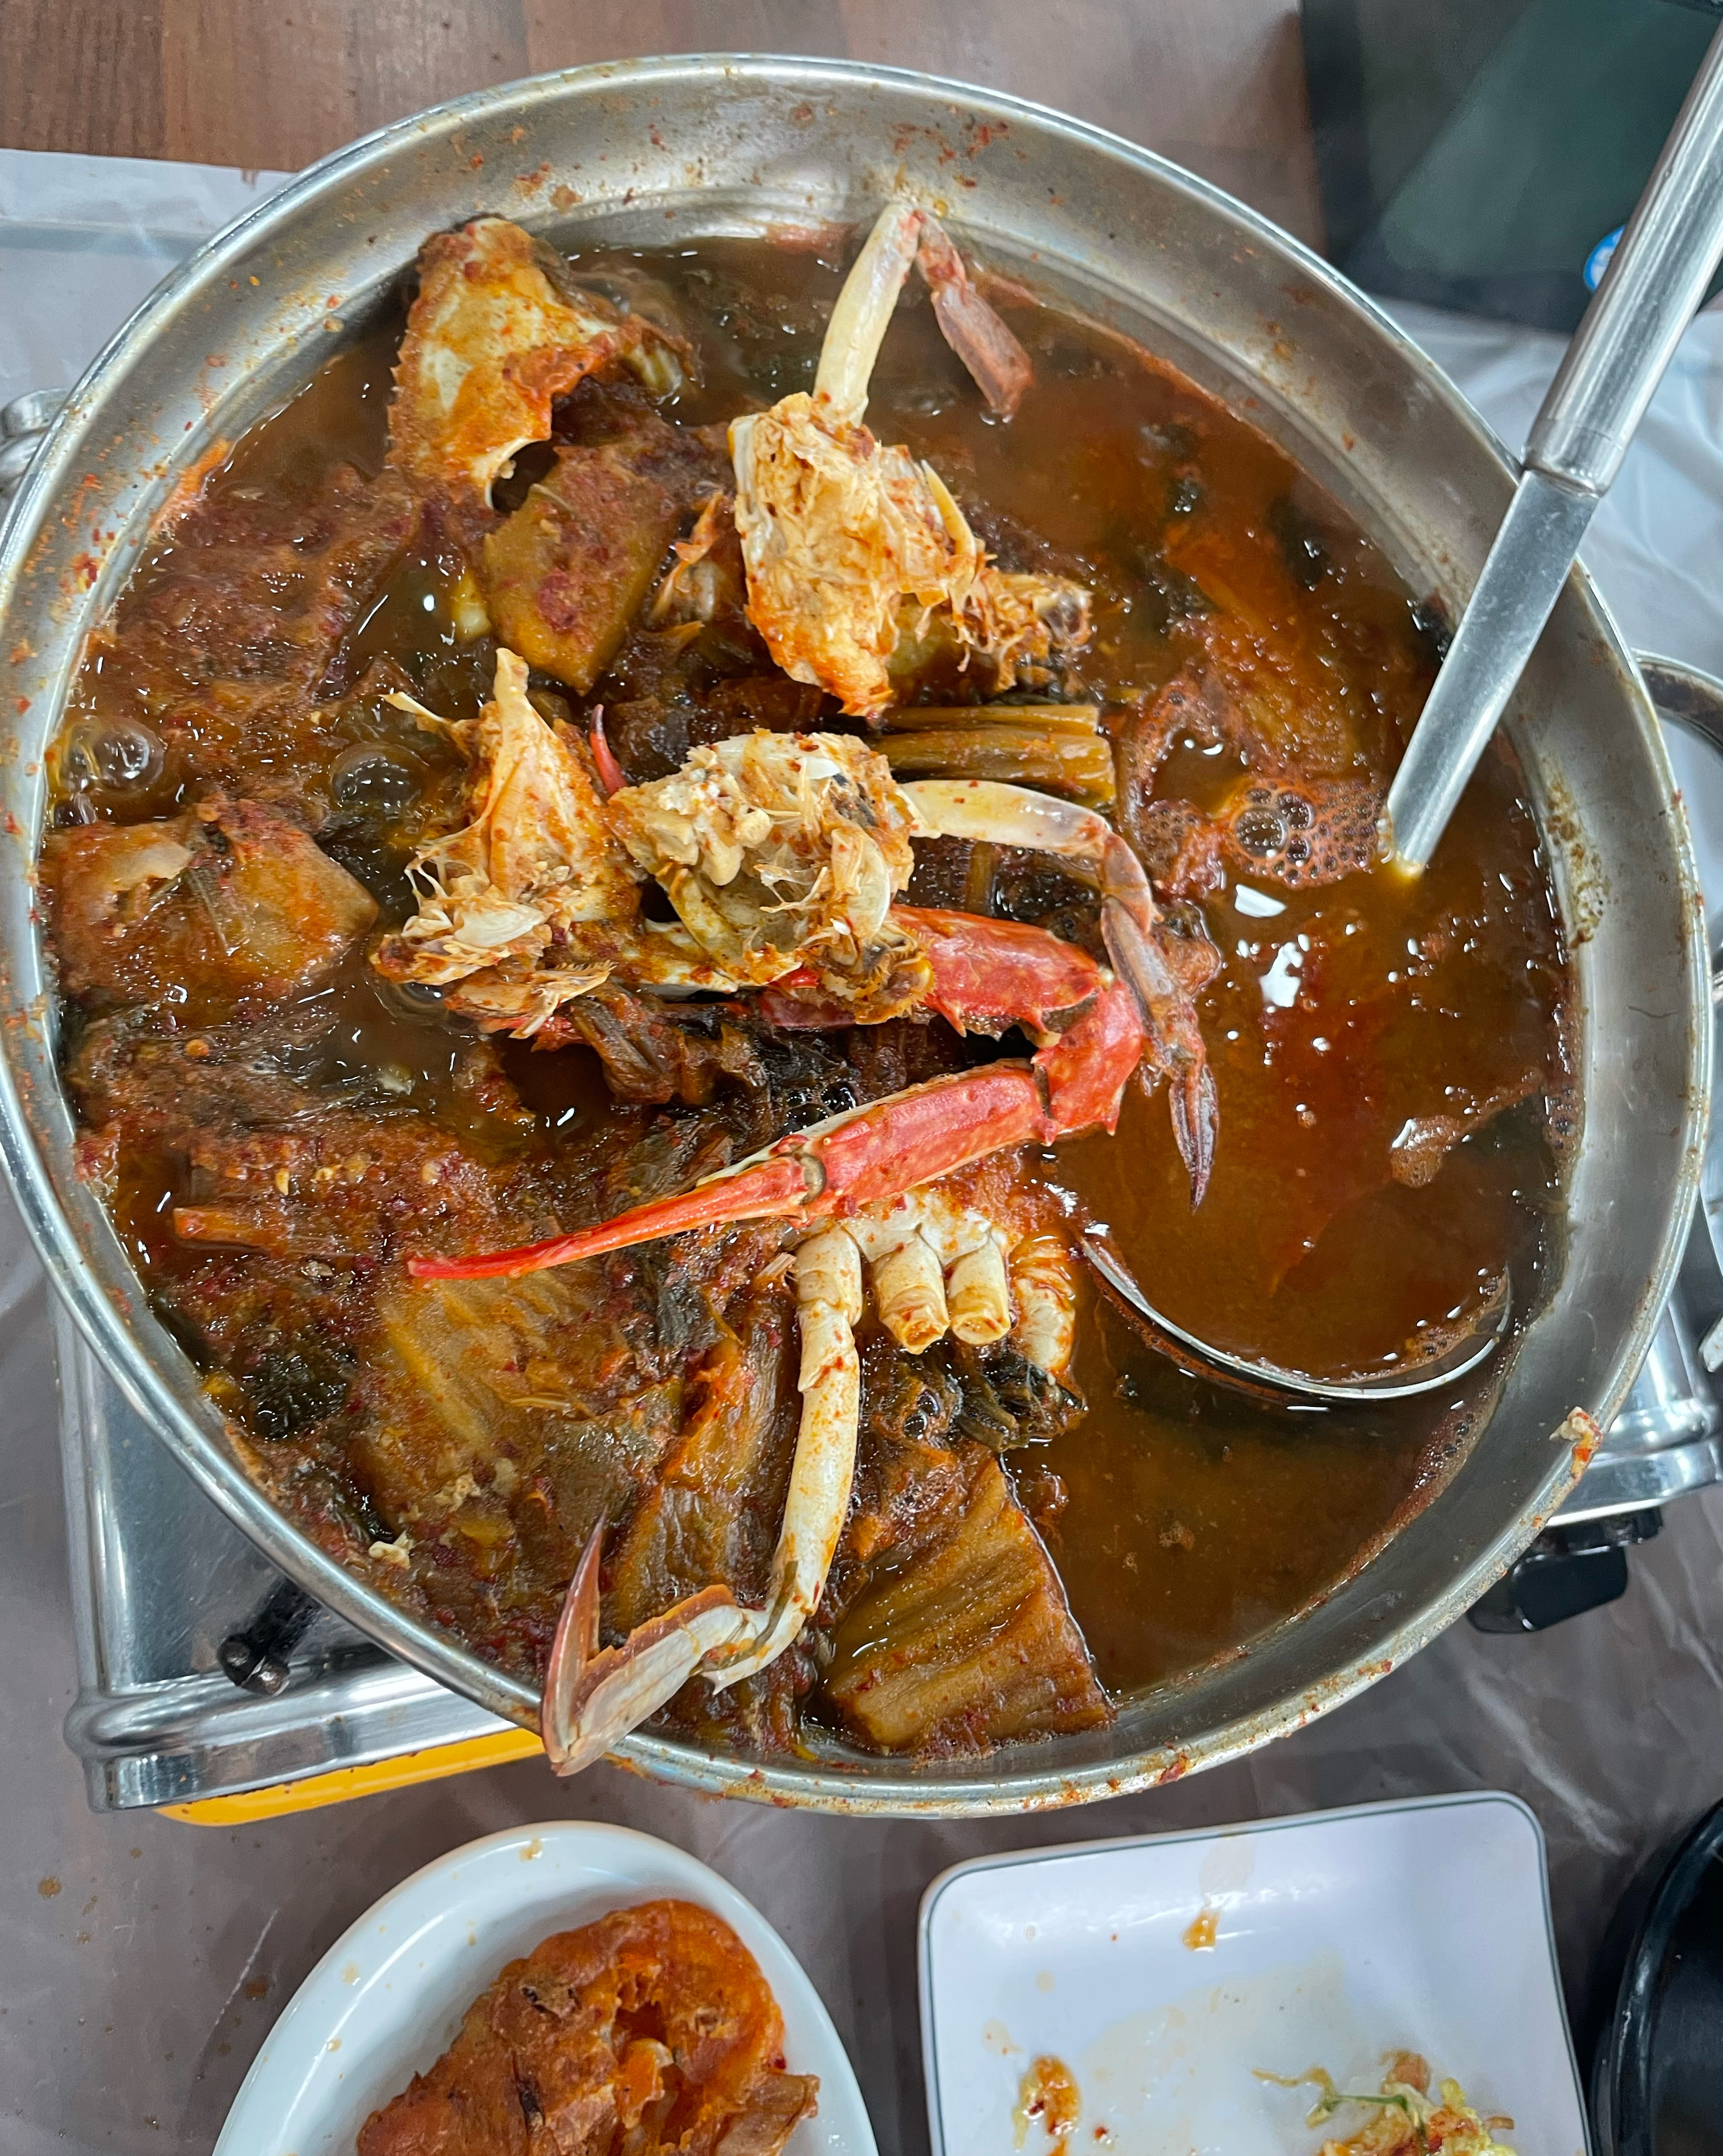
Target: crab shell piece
(497,332)
(848,542)
(784,850)
(781,855)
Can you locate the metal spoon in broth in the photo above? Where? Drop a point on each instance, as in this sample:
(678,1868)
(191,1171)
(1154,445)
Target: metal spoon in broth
(1659,274)
(1271,1382)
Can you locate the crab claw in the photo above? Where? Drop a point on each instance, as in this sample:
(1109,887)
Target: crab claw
(996,361)
(611,775)
(593,1698)
(938,1264)
(828,1295)
(904,233)
(1175,1043)
(1131,922)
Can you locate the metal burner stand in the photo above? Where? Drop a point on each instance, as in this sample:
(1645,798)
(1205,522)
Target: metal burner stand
(162,1582)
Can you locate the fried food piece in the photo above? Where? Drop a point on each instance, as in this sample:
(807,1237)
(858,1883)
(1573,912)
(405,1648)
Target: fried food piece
(649,2031)
(226,901)
(217,671)
(497,332)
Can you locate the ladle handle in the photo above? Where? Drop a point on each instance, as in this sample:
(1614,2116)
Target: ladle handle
(1649,293)
(1605,382)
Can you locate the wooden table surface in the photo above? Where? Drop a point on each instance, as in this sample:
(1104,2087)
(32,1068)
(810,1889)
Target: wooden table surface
(1217,84)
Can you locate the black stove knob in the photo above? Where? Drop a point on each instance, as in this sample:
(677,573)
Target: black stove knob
(1566,1572)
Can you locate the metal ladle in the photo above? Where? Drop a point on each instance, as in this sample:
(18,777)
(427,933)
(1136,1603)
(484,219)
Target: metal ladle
(1655,282)
(1273,1380)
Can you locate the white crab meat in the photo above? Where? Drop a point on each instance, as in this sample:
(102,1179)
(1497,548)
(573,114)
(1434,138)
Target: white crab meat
(938,1266)
(536,861)
(777,851)
(533,901)
(780,850)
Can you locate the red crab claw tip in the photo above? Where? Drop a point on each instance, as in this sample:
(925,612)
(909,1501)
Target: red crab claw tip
(611,775)
(996,361)
(764,1191)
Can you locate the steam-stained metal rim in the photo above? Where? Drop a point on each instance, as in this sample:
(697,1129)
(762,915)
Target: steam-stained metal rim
(1011,1781)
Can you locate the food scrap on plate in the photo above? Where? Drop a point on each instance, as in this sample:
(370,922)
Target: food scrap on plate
(649,2031)
(1404,2119)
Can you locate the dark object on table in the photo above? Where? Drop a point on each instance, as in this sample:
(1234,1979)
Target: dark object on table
(255,1655)
(1657,2080)
(1473,154)
(1567,1570)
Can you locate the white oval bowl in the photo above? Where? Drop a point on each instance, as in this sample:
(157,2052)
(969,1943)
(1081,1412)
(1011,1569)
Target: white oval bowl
(386,2000)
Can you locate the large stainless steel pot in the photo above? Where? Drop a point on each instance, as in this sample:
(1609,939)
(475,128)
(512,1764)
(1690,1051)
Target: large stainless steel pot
(641,152)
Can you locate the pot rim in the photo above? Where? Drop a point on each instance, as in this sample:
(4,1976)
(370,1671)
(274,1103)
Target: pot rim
(1022,1785)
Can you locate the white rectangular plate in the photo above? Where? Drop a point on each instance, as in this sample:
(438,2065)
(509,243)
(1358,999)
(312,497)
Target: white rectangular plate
(1338,1938)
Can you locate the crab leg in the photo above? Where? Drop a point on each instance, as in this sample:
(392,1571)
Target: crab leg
(863,310)
(828,1295)
(936,1266)
(849,1160)
(876,1152)
(904,233)
(592,1698)
(841,535)
(997,362)
(983,809)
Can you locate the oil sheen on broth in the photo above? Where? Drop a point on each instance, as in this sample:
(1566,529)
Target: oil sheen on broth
(1388,1054)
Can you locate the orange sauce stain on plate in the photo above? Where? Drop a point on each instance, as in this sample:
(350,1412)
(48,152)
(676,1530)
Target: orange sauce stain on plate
(1202,1931)
(1050,2093)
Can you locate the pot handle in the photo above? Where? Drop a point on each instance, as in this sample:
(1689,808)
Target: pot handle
(1692,701)
(23,424)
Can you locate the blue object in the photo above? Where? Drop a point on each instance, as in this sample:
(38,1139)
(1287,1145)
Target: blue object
(1597,261)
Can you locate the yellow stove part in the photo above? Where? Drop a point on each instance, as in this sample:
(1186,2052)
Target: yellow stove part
(343,1784)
